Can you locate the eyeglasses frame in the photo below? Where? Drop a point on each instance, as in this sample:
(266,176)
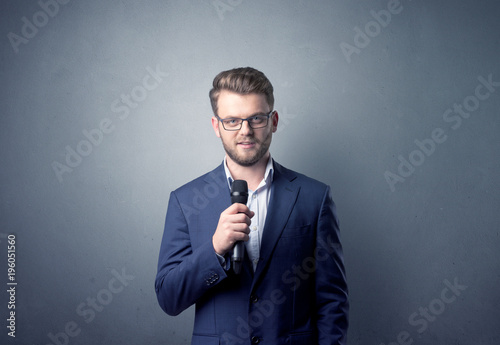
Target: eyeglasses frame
(243,120)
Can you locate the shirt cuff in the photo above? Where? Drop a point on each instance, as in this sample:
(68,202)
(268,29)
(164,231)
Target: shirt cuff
(223,262)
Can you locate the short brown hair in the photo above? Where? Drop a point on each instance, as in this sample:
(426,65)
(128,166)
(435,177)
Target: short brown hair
(243,80)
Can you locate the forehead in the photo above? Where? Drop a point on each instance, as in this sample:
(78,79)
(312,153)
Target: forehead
(234,104)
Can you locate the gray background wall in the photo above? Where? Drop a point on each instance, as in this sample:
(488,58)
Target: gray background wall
(348,118)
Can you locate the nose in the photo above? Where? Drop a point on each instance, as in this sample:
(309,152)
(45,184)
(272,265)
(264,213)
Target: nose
(245,128)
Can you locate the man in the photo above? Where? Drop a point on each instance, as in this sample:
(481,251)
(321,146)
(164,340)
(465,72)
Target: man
(292,288)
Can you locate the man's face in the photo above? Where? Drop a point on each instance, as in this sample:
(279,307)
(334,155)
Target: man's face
(246,146)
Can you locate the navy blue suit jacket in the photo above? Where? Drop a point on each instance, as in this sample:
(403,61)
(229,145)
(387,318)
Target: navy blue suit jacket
(298,293)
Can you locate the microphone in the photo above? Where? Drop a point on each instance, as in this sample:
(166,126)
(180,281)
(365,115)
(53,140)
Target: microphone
(239,194)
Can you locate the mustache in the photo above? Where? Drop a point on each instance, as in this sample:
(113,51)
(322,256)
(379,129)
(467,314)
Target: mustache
(252,140)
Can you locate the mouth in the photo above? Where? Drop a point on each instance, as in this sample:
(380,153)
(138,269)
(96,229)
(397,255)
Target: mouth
(246,144)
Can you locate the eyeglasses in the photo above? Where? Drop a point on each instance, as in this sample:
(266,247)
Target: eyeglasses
(255,121)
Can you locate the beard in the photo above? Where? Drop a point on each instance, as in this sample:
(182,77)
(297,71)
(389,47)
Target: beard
(249,160)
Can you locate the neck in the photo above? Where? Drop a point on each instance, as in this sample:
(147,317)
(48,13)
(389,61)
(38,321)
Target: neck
(252,174)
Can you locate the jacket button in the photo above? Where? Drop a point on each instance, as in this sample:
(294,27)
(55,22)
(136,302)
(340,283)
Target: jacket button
(255,340)
(212,278)
(254,299)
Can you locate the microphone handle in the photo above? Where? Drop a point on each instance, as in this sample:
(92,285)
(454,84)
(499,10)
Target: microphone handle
(239,194)
(237,257)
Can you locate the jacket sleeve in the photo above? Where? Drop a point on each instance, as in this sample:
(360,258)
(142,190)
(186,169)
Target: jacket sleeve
(184,274)
(331,286)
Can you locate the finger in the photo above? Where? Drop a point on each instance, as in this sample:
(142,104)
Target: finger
(239,218)
(242,237)
(240,208)
(249,213)
(241,228)
(238,236)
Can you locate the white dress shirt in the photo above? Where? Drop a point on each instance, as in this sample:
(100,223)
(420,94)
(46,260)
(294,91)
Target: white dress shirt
(258,201)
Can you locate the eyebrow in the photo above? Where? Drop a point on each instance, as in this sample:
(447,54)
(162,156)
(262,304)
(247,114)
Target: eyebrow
(254,114)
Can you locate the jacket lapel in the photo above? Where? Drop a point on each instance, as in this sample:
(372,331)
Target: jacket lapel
(283,196)
(208,199)
(217,192)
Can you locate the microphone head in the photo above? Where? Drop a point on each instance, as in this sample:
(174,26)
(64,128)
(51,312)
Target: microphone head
(239,192)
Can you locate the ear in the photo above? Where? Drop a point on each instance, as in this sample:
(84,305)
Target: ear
(275,119)
(215,125)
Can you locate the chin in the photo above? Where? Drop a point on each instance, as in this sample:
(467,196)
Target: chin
(245,162)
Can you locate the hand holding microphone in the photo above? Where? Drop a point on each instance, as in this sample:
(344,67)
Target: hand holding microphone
(233,226)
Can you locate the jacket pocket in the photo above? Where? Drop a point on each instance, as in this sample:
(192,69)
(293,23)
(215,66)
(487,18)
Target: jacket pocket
(296,231)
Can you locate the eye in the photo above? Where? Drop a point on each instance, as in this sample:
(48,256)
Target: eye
(257,118)
(231,122)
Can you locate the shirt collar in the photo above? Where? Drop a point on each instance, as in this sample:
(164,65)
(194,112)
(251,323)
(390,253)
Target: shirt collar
(268,175)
